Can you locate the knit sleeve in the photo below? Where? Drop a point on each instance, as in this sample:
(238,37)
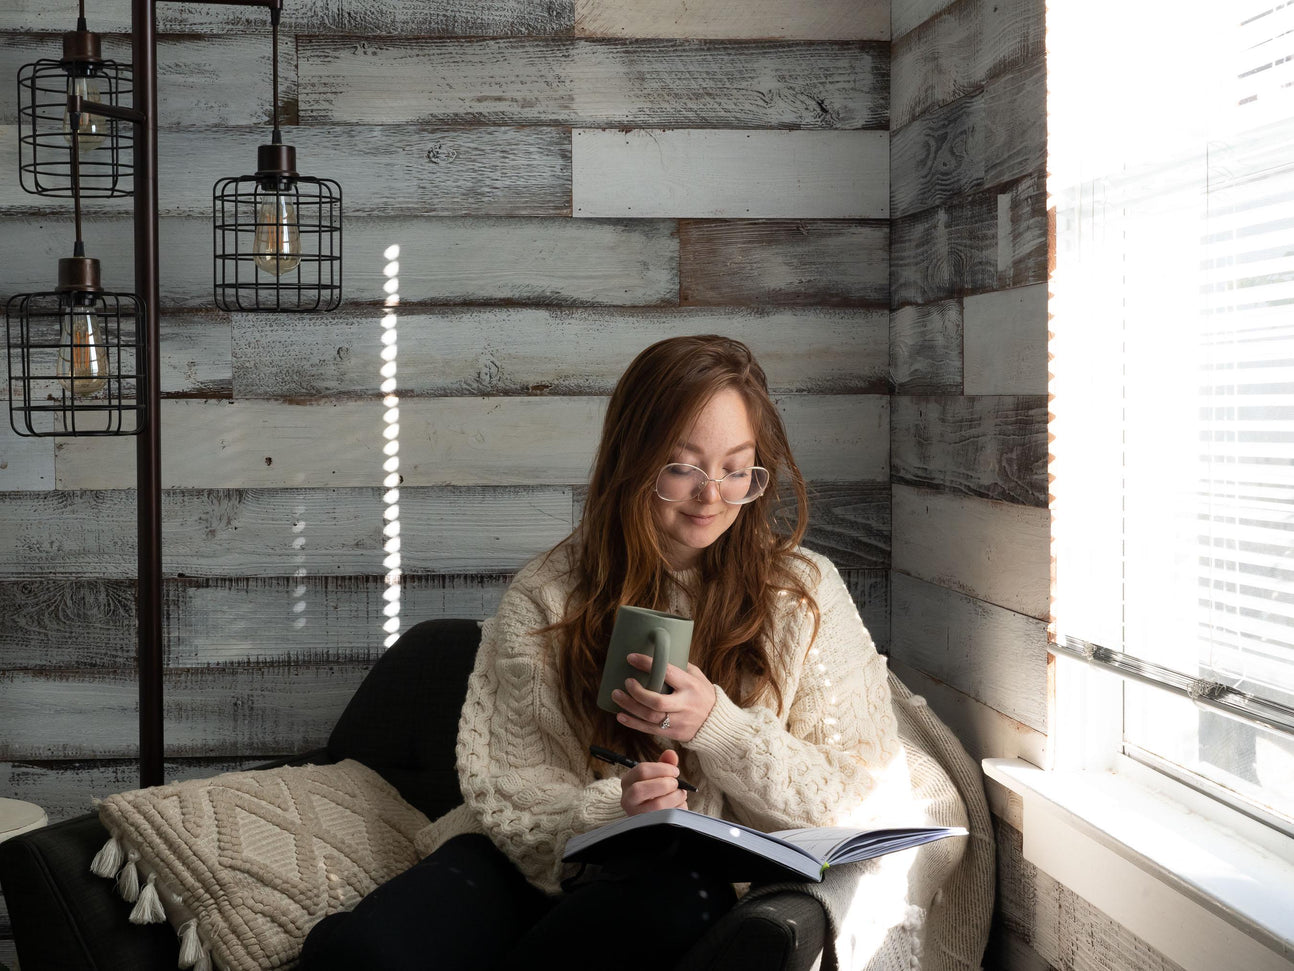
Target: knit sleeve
(523,772)
(834,757)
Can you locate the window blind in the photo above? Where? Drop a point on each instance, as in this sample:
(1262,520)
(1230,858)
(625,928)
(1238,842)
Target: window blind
(1171,174)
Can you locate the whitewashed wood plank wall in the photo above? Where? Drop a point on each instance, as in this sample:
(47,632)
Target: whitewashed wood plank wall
(968,357)
(854,187)
(456,130)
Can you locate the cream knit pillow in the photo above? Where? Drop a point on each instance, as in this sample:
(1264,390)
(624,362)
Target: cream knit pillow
(244,864)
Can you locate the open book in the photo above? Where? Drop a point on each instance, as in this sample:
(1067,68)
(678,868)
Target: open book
(740,853)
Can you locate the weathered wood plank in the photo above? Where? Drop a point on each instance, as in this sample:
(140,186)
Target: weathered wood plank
(998,552)
(452,441)
(906,14)
(955,52)
(88,624)
(65,789)
(871,592)
(524,260)
(457,18)
(25,463)
(783,263)
(839,438)
(456,441)
(850,524)
(463,18)
(277,532)
(383,170)
(195,359)
(994,656)
(113,17)
(926,348)
(212,80)
(1009,951)
(984,139)
(734,20)
(992,241)
(51,622)
(983,731)
(712,174)
(195,354)
(536,350)
(1063,928)
(593,83)
(239,711)
(1006,341)
(991,446)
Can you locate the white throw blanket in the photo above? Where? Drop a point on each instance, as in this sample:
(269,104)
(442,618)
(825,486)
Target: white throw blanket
(927,908)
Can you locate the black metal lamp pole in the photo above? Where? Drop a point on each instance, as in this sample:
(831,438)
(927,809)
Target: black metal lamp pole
(148,445)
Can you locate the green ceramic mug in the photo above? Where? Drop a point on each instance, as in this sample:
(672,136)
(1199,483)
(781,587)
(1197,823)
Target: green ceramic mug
(665,638)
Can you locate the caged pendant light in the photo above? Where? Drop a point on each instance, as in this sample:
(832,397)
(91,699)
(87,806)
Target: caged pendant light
(277,233)
(73,352)
(45,123)
(84,361)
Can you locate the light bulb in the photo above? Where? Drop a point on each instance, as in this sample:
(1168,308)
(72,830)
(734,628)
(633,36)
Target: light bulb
(82,358)
(92,129)
(277,245)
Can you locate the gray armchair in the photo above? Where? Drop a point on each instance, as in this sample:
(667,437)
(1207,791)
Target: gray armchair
(402,722)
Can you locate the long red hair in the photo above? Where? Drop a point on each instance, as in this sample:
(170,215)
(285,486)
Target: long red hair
(618,554)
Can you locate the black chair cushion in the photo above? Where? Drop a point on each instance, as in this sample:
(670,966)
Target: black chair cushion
(403,720)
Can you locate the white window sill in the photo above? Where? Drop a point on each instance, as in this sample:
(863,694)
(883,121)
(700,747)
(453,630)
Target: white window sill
(1195,891)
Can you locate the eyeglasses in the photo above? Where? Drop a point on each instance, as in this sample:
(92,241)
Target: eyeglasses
(678,482)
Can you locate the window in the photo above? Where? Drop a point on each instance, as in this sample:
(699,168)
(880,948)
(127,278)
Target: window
(1171,173)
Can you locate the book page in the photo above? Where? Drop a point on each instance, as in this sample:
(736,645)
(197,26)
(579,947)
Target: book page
(821,843)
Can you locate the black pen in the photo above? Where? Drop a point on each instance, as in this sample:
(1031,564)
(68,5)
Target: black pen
(615,758)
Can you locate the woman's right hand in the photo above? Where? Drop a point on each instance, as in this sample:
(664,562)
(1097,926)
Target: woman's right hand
(652,785)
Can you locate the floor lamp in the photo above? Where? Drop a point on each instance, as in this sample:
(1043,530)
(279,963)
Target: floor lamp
(263,263)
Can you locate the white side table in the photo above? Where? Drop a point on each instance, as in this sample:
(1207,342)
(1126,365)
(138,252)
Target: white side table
(19,817)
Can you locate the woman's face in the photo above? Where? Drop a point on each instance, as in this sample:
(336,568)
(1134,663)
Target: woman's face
(721,441)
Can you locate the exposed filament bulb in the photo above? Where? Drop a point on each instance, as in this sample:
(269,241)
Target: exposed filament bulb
(277,243)
(82,356)
(90,129)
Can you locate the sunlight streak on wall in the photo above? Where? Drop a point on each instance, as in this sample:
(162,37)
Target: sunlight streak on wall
(300,573)
(391,467)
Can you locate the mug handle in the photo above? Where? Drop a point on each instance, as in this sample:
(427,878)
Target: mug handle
(659,638)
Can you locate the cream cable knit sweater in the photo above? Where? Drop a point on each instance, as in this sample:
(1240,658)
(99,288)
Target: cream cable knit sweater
(833,757)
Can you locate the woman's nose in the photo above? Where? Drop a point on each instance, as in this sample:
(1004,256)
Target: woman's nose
(707,495)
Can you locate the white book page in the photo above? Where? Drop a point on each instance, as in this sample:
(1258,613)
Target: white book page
(820,842)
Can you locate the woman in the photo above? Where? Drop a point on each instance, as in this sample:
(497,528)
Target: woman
(782,719)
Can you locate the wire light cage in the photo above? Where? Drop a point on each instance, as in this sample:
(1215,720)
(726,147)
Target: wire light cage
(44,122)
(75,360)
(277,238)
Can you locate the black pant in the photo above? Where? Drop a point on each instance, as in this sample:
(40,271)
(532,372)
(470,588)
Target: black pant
(468,906)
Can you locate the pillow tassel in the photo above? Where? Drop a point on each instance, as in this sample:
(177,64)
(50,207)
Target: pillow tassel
(192,953)
(108,860)
(128,879)
(148,909)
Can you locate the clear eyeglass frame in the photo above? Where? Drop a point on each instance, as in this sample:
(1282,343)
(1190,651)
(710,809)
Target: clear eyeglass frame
(758,482)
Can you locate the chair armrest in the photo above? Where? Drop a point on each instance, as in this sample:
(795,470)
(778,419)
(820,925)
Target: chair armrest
(784,931)
(319,756)
(65,917)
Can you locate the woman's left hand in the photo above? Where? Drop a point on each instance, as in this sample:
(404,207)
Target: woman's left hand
(687,706)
